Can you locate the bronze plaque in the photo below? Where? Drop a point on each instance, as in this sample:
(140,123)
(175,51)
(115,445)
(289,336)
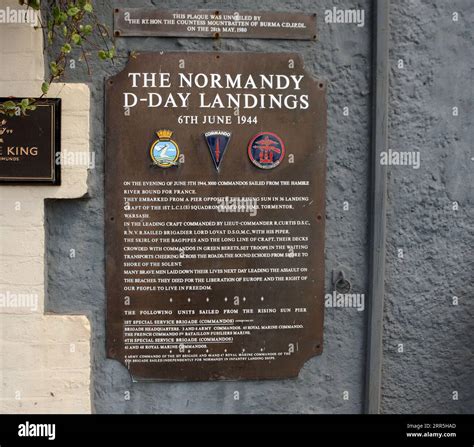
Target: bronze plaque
(215,214)
(30,144)
(215,24)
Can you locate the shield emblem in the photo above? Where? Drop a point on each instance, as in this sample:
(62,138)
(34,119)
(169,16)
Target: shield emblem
(217,142)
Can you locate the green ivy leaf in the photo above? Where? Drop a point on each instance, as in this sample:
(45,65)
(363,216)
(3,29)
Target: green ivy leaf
(54,68)
(61,18)
(72,11)
(66,48)
(9,105)
(67,15)
(76,38)
(56,12)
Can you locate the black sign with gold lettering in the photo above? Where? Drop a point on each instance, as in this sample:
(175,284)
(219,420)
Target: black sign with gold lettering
(30,144)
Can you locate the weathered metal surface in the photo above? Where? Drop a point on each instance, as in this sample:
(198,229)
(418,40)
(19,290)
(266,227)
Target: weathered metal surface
(197,291)
(214,24)
(30,144)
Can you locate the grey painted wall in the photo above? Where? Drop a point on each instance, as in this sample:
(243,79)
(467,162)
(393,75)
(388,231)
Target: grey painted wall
(437,337)
(437,241)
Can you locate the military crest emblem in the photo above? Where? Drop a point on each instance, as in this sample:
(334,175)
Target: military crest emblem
(266,150)
(217,142)
(164,151)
